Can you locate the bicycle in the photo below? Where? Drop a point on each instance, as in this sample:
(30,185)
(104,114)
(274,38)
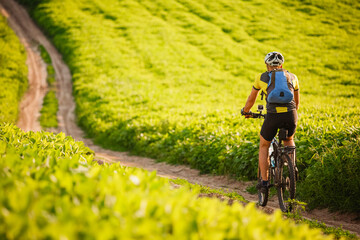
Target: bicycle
(283,172)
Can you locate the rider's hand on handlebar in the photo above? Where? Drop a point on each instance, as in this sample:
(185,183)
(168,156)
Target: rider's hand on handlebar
(246,114)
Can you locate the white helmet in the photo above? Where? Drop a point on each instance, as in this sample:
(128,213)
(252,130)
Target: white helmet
(274,59)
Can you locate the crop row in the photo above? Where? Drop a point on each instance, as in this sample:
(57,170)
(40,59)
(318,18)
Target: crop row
(167,79)
(13,74)
(48,118)
(52,189)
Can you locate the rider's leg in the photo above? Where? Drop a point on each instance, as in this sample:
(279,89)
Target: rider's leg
(291,123)
(289,141)
(264,158)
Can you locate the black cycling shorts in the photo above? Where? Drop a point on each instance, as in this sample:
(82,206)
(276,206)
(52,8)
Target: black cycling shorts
(275,121)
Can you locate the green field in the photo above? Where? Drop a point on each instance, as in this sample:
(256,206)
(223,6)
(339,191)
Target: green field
(13,73)
(48,117)
(51,189)
(167,79)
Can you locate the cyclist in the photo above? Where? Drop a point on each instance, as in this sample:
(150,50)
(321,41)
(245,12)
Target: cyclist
(278,115)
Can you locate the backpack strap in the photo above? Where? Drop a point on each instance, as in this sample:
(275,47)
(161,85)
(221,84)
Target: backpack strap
(271,84)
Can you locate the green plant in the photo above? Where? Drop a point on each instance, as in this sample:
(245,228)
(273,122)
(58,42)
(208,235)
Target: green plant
(13,74)
(45,55)
(167,79)
(204,189)
(52,188)
(336,168)
(296,215)
(49,110)
(50,106)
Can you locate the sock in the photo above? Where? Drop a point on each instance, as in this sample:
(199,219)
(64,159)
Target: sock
(264,183)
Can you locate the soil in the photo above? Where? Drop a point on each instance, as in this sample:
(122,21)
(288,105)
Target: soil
(31,37)
(31,103)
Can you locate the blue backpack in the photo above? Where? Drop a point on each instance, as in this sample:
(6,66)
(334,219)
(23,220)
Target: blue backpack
(280,87)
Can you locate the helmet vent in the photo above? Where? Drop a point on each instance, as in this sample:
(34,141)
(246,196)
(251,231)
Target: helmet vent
(274,59)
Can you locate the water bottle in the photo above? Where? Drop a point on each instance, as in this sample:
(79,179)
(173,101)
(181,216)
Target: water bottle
(272,159)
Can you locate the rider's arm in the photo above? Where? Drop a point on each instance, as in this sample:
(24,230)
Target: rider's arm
(297,98)
(297,91)
(251,99)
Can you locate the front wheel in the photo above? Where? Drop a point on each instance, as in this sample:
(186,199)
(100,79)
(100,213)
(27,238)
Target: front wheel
(286,186)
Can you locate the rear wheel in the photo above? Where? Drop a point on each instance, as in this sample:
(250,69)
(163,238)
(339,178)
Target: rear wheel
(286,185)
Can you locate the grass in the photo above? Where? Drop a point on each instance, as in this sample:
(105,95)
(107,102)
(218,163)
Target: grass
(13,74)
(296,214)
(206,190)
(48,117)
(337,232)
(52,189)
(167,79)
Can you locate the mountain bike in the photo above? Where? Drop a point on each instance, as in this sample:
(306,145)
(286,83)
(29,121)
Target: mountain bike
(282,173)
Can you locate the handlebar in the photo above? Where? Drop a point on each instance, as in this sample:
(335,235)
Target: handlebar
(255,115)
(252,115)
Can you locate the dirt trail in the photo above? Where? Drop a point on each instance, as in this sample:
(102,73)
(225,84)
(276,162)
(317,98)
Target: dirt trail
(32,100)
(30,36)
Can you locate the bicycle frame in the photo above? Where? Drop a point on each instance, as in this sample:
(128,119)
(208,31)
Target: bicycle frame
(284,172)
(278,151)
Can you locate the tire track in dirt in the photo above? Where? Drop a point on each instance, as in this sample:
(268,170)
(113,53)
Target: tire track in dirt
(32,101)
(30,35)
